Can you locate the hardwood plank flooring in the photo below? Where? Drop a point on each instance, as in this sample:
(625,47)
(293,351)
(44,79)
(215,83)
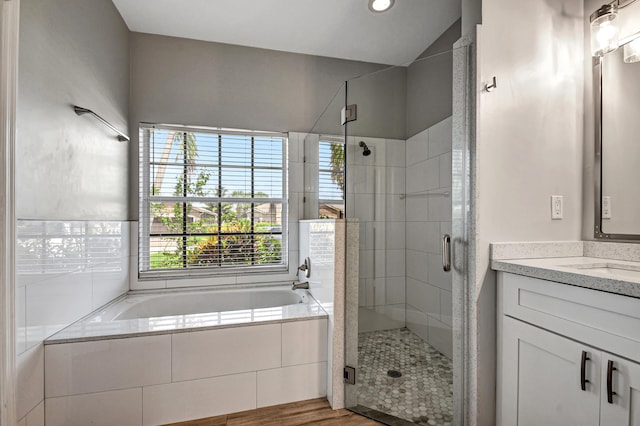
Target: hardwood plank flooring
(311,412)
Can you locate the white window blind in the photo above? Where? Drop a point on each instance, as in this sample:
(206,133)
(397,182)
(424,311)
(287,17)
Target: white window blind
(331,177)
(211,200)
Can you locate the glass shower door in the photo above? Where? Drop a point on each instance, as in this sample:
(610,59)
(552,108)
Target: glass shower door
(399,328)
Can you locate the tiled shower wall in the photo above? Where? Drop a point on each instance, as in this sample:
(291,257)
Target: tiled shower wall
(64,270)
(428,166)
(376,183)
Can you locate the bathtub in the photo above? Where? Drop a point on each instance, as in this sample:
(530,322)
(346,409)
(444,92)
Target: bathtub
(170,356)
(165,311)
(173,303)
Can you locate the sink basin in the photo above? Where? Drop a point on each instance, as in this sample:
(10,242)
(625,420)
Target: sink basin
(611,270)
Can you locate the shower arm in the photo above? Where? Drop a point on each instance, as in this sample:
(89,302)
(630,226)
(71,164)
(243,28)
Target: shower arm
(81,111)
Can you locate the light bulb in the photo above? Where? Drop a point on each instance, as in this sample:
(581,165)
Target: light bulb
(632,51)
(604,31)
(380,5)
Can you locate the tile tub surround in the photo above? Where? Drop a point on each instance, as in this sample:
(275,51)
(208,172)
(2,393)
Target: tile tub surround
(167,378)
(64,270)
(331,245)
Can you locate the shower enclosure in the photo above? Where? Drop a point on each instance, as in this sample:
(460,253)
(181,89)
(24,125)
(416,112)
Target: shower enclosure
(382,153)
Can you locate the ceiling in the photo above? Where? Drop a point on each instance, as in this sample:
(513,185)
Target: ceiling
(344,29)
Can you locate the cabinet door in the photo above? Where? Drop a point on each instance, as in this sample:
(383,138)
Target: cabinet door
(541,378)
(623,378)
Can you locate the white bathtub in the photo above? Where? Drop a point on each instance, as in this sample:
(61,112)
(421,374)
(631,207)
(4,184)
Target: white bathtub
(163,304)
(163,357)
(173,311)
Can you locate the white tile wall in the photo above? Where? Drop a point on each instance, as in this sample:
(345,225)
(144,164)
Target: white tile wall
(428,286)
(30,380)
(373,196)
(121,407)
(226,351)
(175,377)
(36,416)
(288,384)
(65,270)
(295,353)
(197,399)
(103,365)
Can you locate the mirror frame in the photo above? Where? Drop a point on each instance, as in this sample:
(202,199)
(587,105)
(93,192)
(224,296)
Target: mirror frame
(599,233)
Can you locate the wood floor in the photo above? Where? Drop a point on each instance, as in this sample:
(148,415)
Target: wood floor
(311,412)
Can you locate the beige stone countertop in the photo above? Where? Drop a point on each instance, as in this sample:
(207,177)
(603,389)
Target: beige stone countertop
(613,276)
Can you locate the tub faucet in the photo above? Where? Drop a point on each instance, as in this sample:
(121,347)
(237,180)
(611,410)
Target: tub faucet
(300,286)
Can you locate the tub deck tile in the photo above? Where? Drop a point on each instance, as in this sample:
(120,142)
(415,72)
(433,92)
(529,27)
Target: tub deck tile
(91,329)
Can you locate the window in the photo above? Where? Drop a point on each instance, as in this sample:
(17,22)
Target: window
(331,178)
(211,199)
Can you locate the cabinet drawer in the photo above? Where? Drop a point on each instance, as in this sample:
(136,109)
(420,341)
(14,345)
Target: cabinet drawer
(605,320)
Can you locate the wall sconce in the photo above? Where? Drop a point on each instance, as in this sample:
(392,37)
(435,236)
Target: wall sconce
(605,31)
(632,51)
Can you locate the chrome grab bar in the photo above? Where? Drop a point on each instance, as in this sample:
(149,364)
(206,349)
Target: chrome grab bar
(81,111)
(446,252)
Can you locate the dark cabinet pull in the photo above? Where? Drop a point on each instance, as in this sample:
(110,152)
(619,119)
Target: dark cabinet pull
(583,371)
(610,392)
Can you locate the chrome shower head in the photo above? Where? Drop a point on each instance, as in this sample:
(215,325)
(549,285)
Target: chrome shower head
(366,152)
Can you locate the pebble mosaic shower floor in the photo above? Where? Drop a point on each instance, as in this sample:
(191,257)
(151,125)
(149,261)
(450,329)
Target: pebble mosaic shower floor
(424,392)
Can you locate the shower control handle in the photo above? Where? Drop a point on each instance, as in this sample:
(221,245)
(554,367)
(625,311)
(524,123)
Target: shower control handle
(306,267)
(446,252)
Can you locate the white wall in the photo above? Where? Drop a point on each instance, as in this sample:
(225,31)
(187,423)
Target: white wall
(71,176)
(529,146)
(429,288)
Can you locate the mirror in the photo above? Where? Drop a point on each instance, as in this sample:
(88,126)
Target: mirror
(617,91)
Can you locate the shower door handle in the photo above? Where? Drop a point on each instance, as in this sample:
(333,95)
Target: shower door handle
(446,252)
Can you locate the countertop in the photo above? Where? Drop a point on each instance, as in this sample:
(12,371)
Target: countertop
(567,270)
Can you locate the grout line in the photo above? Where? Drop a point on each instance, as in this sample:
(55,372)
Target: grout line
(171,359)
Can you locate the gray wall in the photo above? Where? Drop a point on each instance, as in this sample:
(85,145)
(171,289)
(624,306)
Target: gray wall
(430,83)
(382,101)
(529,146)
(70,167)
(183,81)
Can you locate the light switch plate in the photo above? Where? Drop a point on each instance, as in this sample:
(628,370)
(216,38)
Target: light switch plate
(557,209)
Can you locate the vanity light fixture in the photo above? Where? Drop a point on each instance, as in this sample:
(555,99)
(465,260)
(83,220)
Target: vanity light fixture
(380,5)
(632,51)
(604,29)
(604,32)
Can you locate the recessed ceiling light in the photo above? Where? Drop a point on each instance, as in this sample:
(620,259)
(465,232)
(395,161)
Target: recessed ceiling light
(380,5)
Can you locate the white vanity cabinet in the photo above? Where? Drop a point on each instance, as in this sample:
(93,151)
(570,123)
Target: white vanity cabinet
(566,355)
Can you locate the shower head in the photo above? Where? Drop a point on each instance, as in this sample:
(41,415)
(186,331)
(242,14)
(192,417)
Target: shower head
(366,150)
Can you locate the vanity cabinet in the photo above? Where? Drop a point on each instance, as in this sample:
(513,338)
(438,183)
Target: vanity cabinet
(566,355)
